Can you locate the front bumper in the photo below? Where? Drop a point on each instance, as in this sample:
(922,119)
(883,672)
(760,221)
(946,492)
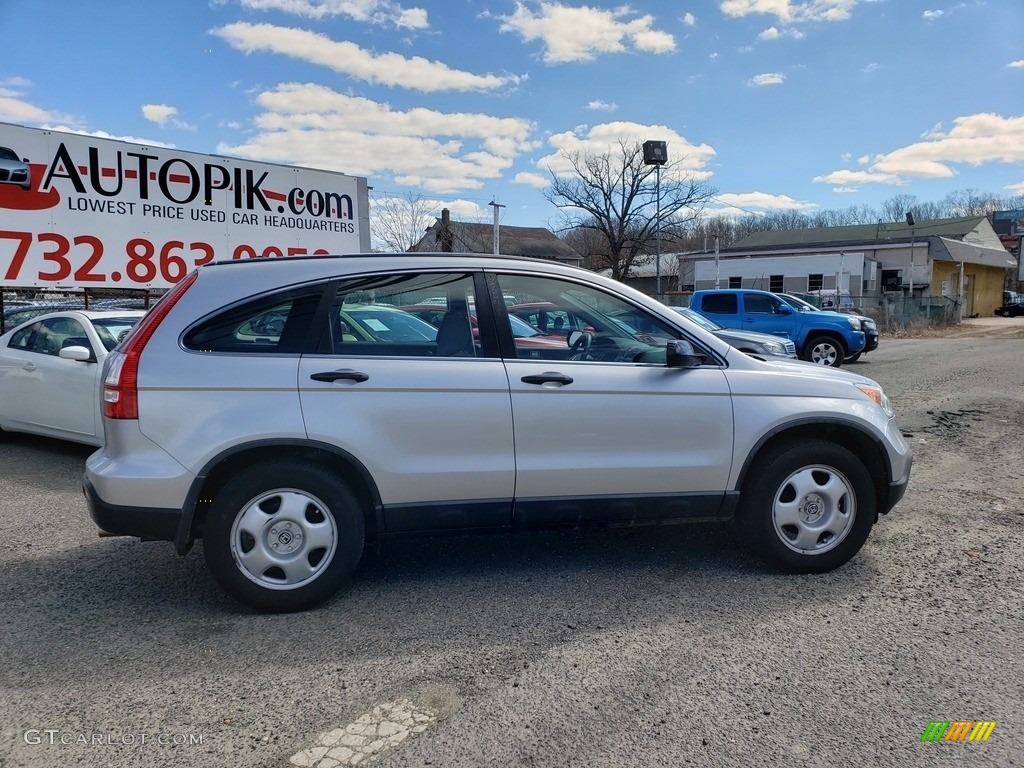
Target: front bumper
(897,488)
(870,341)
(147,523)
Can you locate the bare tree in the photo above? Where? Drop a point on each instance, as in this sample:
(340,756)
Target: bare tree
(397,223)
(615,195)
(897,207)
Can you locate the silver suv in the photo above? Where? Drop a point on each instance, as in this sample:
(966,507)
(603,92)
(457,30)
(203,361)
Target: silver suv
(286,411)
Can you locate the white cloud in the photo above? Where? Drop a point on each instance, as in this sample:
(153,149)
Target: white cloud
(769,78)
(14,108)
(105,135)
(602,106)
(846,157)
(684,157)
(762,201)
(790,12)
(858,177)
(874,66)
(1019,64)
(689,19)
(164,116)
(532,180)
(583,33)
(974,139)
(1017,189)
(713,56)
(439,152)
(773,33)
(381,12)
(845,190)
(933,15)
(390,69)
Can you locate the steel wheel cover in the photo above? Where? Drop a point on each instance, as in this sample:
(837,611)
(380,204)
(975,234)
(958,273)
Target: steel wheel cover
(283,539)
(814,509)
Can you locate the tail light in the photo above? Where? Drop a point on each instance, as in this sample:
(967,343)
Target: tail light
(121,374)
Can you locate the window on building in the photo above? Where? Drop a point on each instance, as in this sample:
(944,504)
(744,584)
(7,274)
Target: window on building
(815,282)
(735,282)
(776,283)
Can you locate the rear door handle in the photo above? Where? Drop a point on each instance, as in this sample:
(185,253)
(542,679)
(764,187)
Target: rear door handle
(28,366)
(348,375)
(549,377)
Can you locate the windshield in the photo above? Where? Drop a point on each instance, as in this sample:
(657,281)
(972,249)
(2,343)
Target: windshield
(8,154)
(699,319)
(112,329)
(800,304)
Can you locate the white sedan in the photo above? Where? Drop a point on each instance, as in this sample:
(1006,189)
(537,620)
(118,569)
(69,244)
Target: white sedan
(50,372)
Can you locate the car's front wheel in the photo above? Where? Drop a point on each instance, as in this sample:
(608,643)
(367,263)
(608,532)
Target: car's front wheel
(853,358)
(283,536)
(808,508)
(824,350)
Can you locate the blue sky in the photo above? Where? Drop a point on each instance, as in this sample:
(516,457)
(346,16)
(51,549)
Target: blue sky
(779,104)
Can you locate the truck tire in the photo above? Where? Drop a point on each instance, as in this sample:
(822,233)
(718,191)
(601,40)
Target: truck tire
(283,535)
(824,350)
(853,358)
(807,508)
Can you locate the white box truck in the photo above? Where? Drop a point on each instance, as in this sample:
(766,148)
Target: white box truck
(78,211)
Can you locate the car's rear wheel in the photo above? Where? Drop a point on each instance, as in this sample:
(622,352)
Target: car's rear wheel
(824,350)
(283,536)
(808,508)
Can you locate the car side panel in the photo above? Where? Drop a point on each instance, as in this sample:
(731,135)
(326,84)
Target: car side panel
(426,429)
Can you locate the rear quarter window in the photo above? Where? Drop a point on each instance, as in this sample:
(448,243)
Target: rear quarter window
(279,323)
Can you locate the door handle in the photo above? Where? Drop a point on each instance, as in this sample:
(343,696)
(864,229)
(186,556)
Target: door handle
(549,377)
(28,367)
(347,374)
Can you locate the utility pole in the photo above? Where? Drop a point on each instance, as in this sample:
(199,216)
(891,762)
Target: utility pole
(495,206)
(717,273)
(656,154)
(444,232)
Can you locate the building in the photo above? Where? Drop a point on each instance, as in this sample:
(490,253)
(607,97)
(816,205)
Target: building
(960,262)
(535,242)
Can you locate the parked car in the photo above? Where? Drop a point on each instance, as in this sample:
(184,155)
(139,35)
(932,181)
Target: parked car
(1013,305)
(824,338)
(14,169)
(50,372)
(746,341)
(528,340)
(867,324)
(285,457)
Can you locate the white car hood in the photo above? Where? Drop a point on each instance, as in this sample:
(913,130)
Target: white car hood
(813,370)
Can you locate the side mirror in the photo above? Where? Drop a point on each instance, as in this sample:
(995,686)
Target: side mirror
(784,309)
(681,354)
(81,354)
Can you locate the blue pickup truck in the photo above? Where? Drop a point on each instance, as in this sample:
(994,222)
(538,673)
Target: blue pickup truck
(825,338)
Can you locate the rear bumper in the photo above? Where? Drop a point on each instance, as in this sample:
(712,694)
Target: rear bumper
(147,523)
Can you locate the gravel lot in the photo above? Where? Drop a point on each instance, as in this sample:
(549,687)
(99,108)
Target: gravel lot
(641,647)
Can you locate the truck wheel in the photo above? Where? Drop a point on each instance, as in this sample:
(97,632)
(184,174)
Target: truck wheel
(807,508)
(283,536)
(853,358)
(824,350)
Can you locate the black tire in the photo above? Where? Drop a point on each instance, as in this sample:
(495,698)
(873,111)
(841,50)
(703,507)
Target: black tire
(824,350)
(309,532)
(853,358)
(807,508)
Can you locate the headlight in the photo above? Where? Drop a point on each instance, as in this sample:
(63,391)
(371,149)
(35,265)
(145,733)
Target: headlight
(774,348)
(876,394)
(870,325)
(854,322)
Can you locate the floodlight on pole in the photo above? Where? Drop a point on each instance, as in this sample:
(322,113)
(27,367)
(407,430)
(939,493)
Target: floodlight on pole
(656,154)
